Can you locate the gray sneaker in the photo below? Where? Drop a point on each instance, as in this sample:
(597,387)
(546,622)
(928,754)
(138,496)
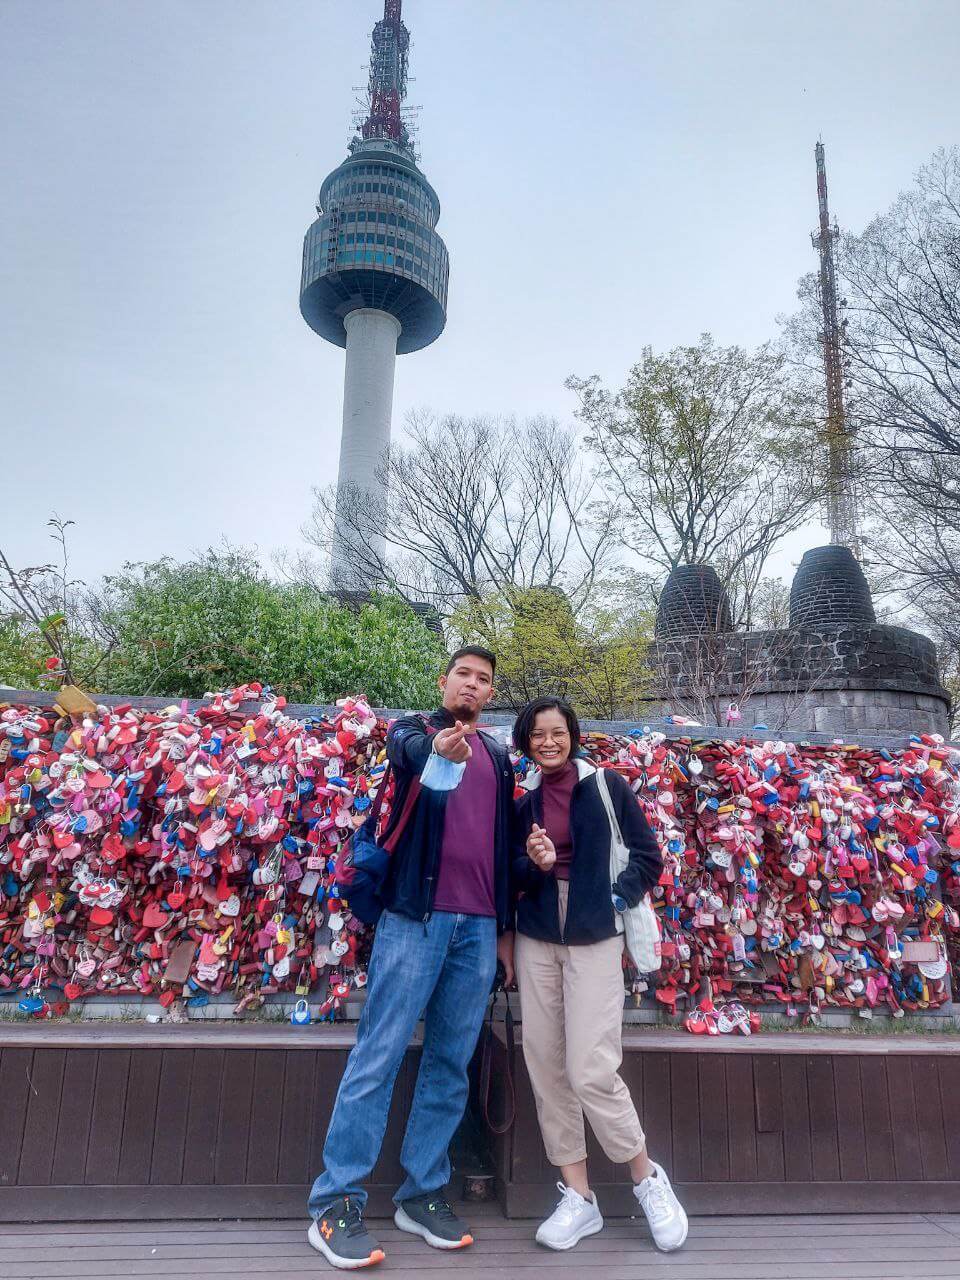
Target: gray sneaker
(339,1234)
(431,1217)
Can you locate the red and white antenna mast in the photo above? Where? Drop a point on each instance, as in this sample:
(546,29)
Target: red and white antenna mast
(841,504)
(387,86)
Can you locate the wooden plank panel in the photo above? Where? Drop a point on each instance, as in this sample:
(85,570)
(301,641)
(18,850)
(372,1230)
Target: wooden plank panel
(949,1072)
(822,1102)
(233,1130)
(115,1204)
(850,1135)
(529,1159)
(43,1112)
(876,1119)
(139,1114)
(931,1116)
(741,1119)
(797,1159)
(513,1249)
(203,1115)
(328,1069)
(847,1260)
(265,1116)
(655,1107)
(685,1111)
(296,1124)
(903,1120)
(768,1104)
(727,1232)
(16,1067)
(714,1119)
(106,1116)
(170,1126)
(76,1108)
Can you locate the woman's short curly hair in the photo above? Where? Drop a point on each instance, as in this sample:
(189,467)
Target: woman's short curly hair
(523,725)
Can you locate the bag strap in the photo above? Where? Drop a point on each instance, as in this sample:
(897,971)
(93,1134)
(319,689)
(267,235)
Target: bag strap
(608,804)
(501,1127)
(381,794)
(390,843)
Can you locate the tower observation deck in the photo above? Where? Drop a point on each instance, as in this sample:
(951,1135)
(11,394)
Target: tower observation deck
(374,281)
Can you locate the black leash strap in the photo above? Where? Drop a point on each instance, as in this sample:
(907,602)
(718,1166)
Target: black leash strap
(486,1069)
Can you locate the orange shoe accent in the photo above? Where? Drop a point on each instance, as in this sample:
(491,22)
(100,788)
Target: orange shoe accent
(377,1256)
(464,1242)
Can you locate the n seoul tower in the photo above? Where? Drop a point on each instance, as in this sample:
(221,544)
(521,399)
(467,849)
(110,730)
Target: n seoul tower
(374,281)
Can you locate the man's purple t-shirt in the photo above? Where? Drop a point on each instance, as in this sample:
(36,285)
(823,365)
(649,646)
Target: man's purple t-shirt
(465,883)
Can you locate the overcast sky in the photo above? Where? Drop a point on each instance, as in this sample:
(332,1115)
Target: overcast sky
(613,174)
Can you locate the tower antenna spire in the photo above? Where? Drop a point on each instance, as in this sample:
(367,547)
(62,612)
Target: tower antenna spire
(387,85)
(841,498)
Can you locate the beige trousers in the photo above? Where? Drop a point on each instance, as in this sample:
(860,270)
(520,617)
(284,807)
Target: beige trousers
(571,1004)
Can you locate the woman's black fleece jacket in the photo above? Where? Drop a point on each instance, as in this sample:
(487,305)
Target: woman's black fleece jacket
(590,909)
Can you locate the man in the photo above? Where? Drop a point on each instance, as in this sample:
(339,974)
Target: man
(447,901)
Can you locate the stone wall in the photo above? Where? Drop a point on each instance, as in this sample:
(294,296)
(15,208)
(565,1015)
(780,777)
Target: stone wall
(843,680)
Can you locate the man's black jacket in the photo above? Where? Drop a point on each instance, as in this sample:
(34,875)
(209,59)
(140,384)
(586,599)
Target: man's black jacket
(415,864)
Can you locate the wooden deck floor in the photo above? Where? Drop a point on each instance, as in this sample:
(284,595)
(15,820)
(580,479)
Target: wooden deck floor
(875,1247)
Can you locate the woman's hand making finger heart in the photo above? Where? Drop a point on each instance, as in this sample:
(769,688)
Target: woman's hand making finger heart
(540,848)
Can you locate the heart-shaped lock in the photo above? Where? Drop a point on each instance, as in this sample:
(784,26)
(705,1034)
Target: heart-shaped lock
(230,906)
(154,916)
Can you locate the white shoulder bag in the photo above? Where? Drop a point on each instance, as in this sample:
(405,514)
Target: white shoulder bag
(639,923)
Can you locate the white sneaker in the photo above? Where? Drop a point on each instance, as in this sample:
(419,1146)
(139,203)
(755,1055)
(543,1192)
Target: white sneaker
(663,1211)
(572,1219)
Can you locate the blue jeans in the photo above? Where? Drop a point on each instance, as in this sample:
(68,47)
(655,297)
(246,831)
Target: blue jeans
(441,972)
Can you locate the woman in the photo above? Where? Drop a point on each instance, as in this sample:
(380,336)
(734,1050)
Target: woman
(569,970)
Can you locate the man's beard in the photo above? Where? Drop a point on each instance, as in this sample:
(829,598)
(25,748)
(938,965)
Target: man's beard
(468,711)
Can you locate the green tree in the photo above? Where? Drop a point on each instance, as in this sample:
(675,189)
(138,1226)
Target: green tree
(23,653)
(43,624)
(705,454)
(218,621)
(596,659)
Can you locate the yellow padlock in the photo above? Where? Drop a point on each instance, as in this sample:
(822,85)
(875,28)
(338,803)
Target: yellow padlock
(222,944)
(72,701)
